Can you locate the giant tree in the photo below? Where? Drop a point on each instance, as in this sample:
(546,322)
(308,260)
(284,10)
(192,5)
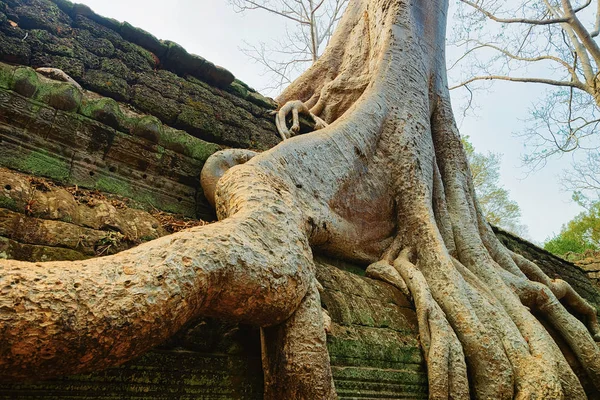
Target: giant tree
(386,183)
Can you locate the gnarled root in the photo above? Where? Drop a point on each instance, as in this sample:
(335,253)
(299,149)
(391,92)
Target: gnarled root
(563,291)
(58,75)
(294,354)
(446,367)
(215,167)
(295,107)
(540,297)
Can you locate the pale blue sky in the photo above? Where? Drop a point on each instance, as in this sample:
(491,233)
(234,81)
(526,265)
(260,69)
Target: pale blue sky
(211,28)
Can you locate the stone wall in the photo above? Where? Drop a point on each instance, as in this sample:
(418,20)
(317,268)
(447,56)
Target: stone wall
(130,65)
(589,262)
(52,129)
(149,117)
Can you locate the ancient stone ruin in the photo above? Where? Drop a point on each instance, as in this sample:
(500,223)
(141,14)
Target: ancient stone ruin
(92,170)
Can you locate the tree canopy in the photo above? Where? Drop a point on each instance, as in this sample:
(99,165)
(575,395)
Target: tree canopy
(578,235)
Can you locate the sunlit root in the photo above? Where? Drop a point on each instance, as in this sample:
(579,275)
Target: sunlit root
(295,107)
(537,296)
(563,291)
(217,164)
(326,321)
(58,75)
(446,367)
(298,348)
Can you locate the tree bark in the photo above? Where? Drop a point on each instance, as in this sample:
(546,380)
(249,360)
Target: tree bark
(389,172)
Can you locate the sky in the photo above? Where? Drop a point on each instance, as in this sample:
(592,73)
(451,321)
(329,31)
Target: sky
(211,29)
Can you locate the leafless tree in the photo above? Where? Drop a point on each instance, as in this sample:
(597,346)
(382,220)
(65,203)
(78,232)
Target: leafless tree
(550,42)
(311,23)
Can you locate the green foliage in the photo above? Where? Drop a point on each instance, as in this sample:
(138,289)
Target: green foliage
(578,235)
(499,209)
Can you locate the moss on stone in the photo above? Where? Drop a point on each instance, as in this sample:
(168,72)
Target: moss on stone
(152,201)
(39,163)
(8,203)
(64,5)
(6,75)
(238,88)
(199,121)
(107,84)
(152,102)
(148,127)
(261,100)
(102,47)
(112,185)
(136,58)
(143,38)
(60,95)
(105,110)
(183,143)
(33,253)
(71,66)
(115,67)
(14,50)
(25,81)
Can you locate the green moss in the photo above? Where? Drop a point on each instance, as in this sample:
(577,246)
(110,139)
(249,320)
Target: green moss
(25,81)
(261,100)
(39,164)
(115,67)
(45,165)
(8,203)
(14,50)
(151,201)
(107,84)
(148,56)
(143,38)
(148,127)
(105,110)
(238,88)
(198,119)
(64,5)
(160,152)
(6,75)
(112,185)
(62,96)
(186,144)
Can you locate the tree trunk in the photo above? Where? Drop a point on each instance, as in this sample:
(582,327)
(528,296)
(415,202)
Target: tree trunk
(388,173)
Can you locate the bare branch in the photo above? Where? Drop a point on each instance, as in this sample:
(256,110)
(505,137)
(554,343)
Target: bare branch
(520,79)
(313,24)
(515,20)
(253,5)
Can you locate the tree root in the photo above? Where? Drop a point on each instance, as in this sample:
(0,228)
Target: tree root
(563,291)
(216,166)
(294,354)
(295,107)
(446,368)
